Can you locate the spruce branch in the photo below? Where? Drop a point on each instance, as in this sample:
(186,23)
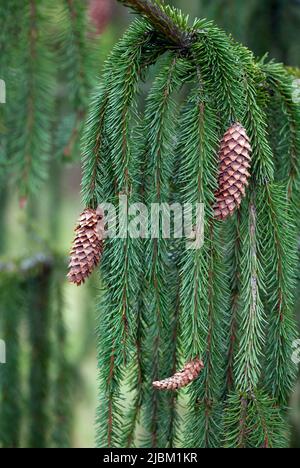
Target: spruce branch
(278,240)
(234,266)
(196,303)
(155,13)
(64,373)
(159,151)
(11,406)
(251,315)
(39,324)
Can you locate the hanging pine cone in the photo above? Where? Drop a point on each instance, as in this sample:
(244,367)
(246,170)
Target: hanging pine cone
(182,378)
(235,158)
(87,246)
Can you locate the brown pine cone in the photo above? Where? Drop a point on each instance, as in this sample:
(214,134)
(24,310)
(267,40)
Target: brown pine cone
(188,374)
(87,246)
(235,159)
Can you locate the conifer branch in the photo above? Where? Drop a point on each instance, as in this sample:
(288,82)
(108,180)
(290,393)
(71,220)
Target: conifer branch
(64,378)
(159,150)
(133,154)
(252,420)
(262,167)
(234,266)
(39,320)
(279,247)
(119,316)
(207,394)
(161,20)
(289,145)
(29,119)
(11,408)
(252,317)
(76,46)
(175,419)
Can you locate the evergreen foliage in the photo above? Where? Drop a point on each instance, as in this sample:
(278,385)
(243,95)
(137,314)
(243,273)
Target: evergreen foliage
(254,421)
(78,64)
(229,303)
(63,379)
(48,62)
(11,401)
(38,290)
(31,303)
(268,26)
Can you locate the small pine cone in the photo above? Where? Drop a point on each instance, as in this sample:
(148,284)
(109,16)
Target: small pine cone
(188,374)
(235,160)
(87,246)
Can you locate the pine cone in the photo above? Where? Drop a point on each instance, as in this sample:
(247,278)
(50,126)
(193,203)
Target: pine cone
(87,246)
(235,158)
(188,374)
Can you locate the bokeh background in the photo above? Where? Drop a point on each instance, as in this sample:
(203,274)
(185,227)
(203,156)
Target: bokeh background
(36,229)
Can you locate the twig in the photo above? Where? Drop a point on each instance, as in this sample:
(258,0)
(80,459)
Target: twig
(160,21)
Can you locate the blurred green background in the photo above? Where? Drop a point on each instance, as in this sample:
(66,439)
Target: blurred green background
(46,222)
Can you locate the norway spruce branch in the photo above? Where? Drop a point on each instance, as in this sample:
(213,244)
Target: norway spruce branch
(164,19)
(98,165)
(136,379)
(202,281)
(235,421)
(124,77)
(221,72)
(254,421)
(204,427)
(175,418)
(278,244)
(255,119)
(77,55)
(11,14)
(29,133)
(122,262)
(77,63)
(160,125)
(271,428)
(94,147)
(233,258)
(252,319)
(39,323)
(11,405)
(134,325)
(137,370)
(128,65)
(63,378)
(197,182)
(281,83)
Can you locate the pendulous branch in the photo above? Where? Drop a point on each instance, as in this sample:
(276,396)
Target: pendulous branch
(162,22)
